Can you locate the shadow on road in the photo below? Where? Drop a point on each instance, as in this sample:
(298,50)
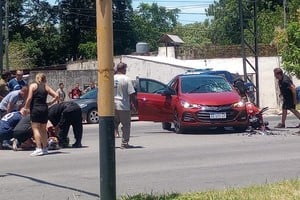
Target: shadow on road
(53,184)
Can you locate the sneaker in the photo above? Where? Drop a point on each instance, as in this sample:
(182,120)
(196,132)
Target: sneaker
(76,145)
(37,152)
(15,144)
(280,125)
(45,151)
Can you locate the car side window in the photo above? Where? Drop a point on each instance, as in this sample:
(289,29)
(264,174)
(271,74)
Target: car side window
(151,86)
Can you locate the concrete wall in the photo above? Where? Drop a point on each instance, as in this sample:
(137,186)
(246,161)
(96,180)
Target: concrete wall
(69,78)
(163,69)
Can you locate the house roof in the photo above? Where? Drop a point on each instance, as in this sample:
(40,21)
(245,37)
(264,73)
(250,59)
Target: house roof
(171,39)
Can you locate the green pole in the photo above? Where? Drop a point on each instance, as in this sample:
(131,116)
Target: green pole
(106,100)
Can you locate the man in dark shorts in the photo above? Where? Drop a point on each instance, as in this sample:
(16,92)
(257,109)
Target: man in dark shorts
(64,115)
(288,93)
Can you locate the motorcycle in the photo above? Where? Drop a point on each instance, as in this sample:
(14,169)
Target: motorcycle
(256,121)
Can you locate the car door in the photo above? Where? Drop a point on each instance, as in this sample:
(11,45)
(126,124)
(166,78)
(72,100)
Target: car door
(154,101)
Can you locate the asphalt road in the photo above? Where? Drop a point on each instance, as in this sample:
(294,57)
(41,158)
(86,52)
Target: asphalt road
(161,162)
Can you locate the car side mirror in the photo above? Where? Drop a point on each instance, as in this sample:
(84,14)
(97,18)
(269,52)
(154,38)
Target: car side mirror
(168,91)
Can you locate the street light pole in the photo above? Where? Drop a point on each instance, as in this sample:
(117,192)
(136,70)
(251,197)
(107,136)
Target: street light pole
(106,100)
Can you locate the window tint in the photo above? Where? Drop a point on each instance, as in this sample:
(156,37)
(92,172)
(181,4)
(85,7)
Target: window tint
(151,86)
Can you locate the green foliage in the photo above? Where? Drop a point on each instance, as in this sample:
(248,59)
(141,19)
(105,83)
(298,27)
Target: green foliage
(287,190)
(193,35)
(88,50)
(288,43)
(150,22)
(21,55)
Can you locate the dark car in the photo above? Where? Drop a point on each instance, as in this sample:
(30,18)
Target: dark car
(88,101)
(193,101)
(88,105)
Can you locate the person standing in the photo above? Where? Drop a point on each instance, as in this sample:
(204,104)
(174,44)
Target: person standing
(124,97)
(4,90)
(288,94)
(61,93)
(37,102)
(13,101)
(75,92)
(17,83)
(90,87)
(64,115)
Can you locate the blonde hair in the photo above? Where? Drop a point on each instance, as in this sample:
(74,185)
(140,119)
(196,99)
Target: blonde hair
(40,78)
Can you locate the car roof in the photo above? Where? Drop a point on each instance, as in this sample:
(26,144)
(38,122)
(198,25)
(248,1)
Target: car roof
(200,75)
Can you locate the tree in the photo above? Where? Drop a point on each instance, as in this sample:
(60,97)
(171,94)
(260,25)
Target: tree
(77,24)
(193,35)
(124,39)
(288,43)
(151,21)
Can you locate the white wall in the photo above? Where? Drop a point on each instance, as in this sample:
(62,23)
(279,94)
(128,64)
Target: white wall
(164,68)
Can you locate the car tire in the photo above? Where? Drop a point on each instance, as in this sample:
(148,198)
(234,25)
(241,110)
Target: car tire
(92,116)
(166,126)
(177,125)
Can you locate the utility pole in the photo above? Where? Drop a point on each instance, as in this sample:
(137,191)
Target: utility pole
(106,100)
(284,13)
(6,35)
(1,38)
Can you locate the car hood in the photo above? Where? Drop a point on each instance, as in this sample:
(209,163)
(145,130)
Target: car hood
(218,98)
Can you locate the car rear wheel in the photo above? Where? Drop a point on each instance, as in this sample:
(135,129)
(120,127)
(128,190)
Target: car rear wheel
(92,116)
(166,126)
(177,124)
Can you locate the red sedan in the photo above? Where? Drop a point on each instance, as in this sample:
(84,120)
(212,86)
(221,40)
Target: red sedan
(191,101)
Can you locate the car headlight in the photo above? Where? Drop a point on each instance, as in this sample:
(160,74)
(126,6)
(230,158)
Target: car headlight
(82,105)
(239,104)
(189,105)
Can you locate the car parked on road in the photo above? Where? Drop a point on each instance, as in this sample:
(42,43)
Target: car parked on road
(88,104)
(88,101)
(192,101)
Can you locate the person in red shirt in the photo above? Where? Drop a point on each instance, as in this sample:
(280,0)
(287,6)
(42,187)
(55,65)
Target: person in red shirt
(75,92)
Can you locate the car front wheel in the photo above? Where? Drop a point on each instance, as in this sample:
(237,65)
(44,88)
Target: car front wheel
(177,124)
(92,116)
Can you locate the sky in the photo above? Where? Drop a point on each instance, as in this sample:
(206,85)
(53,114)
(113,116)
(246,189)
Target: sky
(191,10)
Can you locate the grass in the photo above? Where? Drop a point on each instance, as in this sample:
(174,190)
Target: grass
(285,190)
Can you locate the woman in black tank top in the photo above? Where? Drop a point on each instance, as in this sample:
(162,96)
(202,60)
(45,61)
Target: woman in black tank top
(37,102)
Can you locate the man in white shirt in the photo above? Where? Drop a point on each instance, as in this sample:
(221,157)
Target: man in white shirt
(124,100)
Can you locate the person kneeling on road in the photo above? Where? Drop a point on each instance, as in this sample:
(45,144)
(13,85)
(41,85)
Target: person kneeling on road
(7,124)
(62,116)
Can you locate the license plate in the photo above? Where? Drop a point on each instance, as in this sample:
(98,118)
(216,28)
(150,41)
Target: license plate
(217,115)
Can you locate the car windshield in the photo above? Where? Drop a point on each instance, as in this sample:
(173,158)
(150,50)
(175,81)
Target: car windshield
(204,84)
(92,94)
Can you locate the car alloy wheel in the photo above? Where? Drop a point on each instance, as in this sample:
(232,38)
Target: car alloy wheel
(177,124)
(92,117)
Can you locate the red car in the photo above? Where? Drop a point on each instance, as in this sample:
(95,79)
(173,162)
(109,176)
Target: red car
(191,101)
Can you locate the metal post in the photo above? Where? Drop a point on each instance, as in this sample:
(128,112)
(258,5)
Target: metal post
(284,13)
(256,53)
(106,100)
(6,35)
(1,38)
(242,39)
